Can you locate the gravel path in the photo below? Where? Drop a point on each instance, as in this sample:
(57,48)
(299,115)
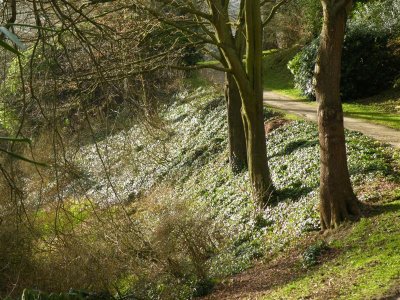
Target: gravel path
(309,112)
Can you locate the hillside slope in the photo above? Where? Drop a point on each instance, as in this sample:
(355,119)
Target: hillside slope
(157,214)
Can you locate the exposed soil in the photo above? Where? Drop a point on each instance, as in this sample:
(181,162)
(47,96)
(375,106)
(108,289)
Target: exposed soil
(255,282)
(264,276)
(273,124)
(393,294)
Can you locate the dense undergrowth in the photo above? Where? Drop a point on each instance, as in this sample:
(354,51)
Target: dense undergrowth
(157,214)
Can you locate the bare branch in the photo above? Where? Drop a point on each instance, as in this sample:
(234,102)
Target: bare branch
(273,12)
(199,67)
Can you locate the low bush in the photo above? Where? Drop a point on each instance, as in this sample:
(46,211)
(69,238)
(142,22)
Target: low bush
(369,64)
(312,254)
(302,68)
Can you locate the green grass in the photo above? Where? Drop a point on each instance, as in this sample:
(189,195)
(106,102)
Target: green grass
(208,62)
(368,266)
(380,109)
(196,81)
(286,115)
(277,76)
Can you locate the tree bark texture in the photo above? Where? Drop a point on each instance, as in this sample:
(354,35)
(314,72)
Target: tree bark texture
(337,199)
(236,136)
(253,118)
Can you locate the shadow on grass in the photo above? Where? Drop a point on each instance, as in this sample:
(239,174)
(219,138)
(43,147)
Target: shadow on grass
(374,115)
(295,145)
(373,210)
(294,192)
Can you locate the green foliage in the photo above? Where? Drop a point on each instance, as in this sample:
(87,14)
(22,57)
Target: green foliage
(302,68)
(12,37)
(313,16)
(312,253)
(11,93)
(377,16)
(365,54)
(277,76)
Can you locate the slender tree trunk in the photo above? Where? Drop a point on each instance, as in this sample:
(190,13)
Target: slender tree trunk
(236,136)
(337,199)
(256,151)
(253,118)
(249,82)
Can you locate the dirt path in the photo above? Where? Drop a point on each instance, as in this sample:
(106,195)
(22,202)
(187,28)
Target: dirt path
(309,112)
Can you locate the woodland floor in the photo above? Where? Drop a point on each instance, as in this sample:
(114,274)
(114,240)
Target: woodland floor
(255,282)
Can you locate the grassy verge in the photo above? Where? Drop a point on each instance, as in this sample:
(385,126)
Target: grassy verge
(277,76)
(381,109)
(367,266)
(286,115)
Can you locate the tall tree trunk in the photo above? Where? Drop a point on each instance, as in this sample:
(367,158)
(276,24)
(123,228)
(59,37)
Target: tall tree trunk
(249,82)
(253,118)
(337,199)
(236,136)
(261,182)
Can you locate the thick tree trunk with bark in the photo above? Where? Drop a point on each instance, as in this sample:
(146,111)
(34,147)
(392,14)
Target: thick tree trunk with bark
(337,199)
(236,136)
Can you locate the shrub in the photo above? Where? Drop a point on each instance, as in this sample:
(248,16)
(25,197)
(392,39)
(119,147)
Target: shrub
(378,16)
(302,68)
(369,65)
(312,253)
